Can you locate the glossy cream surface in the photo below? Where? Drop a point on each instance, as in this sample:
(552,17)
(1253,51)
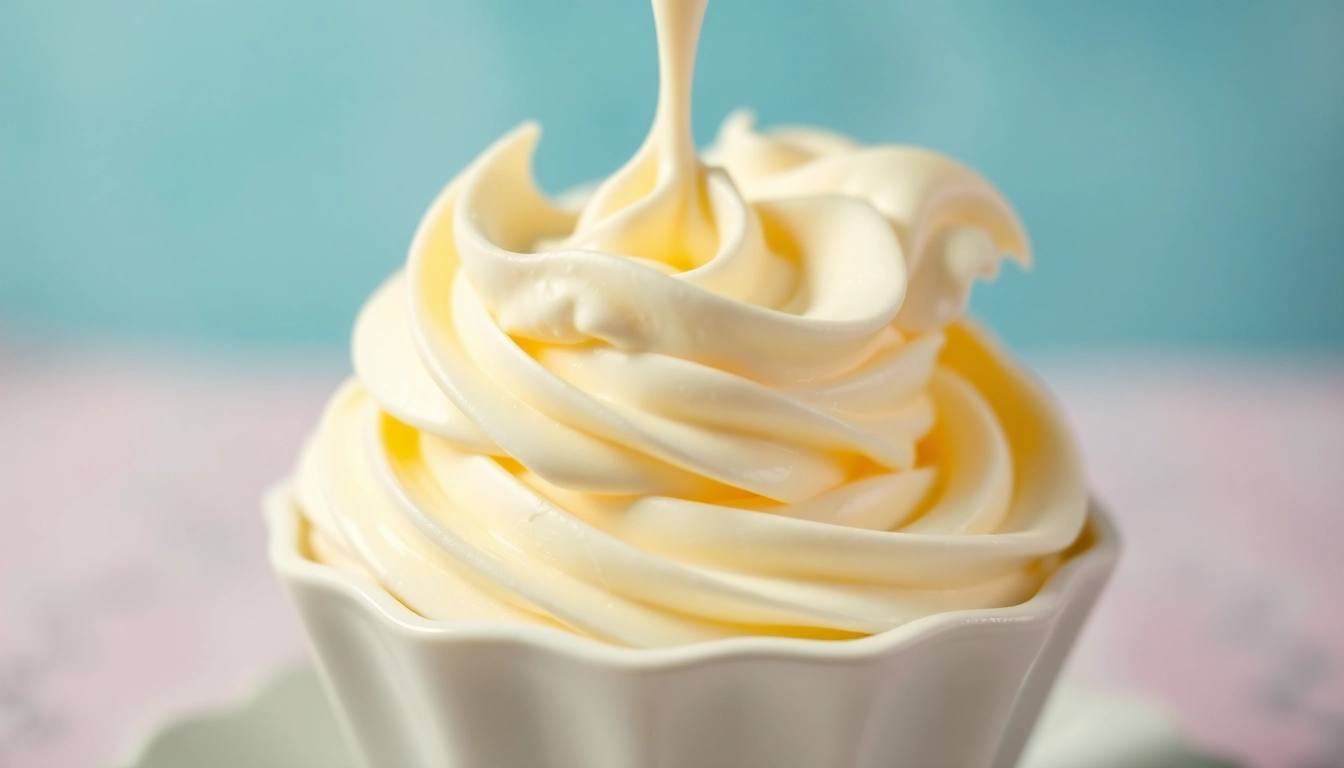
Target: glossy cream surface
(715,396)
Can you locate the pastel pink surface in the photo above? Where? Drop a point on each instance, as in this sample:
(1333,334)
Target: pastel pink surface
(1226,604)
(134,577)
(132,553)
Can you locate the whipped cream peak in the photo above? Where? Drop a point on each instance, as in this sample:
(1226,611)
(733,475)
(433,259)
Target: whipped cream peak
(953,224)
(709,398)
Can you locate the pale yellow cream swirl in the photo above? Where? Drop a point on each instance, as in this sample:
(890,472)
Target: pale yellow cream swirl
(705,400)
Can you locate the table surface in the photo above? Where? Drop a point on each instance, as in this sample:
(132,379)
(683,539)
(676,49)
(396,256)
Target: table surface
(134,584)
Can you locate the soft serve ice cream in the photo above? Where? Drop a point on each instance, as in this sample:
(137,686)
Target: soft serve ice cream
(720,396)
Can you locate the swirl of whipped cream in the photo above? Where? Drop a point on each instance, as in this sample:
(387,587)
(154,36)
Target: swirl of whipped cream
(703,401)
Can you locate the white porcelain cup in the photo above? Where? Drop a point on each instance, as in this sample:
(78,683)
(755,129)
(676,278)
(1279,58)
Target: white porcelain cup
(955,690)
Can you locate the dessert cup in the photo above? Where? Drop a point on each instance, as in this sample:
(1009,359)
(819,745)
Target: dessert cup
(960,689)
(708,402)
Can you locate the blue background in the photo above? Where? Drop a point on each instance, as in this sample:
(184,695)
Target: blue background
(247,170)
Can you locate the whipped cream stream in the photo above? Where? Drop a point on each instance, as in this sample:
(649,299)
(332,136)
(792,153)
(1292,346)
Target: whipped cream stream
(713,398)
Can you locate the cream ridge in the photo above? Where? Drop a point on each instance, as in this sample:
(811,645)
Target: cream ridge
(729,395)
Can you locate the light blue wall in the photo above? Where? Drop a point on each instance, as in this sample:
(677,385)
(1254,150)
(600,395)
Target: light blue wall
(247,170)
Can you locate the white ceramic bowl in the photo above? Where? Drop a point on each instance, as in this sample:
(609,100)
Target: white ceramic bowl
(960,689)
